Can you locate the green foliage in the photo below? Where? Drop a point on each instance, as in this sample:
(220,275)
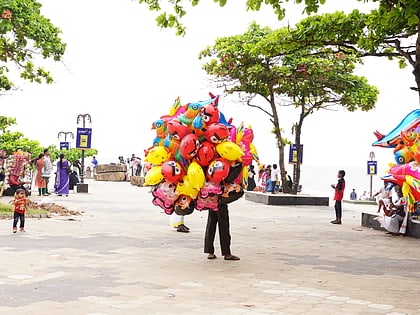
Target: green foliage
(12,141)
(25,34)
(276,66)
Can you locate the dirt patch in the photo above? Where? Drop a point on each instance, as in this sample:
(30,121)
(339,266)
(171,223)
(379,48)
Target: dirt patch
(53,208)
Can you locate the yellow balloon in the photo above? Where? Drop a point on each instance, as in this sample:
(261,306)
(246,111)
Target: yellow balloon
(184,187)
(195,175)
(157,155)
(154,176)
(229,151)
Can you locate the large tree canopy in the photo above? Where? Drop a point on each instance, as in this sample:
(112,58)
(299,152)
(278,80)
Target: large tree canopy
(26,35)
(265,63)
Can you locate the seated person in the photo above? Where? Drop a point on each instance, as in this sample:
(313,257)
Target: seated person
(394,213)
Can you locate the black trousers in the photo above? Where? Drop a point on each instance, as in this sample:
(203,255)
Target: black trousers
(18,217)
(220,218)
(337,208)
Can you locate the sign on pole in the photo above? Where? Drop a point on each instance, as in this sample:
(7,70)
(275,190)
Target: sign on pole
(64,145)
(293,154)
(372,167)
(83,139)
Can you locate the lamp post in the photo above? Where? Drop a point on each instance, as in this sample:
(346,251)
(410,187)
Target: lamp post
(83,142)
(65,133)
(371,169)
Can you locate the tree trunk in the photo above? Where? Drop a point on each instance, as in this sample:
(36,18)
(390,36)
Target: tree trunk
(279,139)
(416,70)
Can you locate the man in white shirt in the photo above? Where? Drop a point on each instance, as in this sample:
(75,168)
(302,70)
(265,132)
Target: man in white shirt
(46,170)
(274,179)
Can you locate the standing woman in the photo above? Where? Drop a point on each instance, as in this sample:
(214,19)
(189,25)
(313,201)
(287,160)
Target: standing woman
(39,180)
(62,178)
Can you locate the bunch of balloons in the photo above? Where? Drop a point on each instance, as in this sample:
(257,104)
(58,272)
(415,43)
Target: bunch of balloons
(199,159)
(405,140)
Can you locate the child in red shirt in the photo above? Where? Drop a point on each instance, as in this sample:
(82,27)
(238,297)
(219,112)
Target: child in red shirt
(338,196)
(20,206)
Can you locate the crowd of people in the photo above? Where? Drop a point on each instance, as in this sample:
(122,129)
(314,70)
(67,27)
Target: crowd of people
(267,179)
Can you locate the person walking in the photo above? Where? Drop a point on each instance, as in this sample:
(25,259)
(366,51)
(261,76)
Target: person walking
(46,170)
(218,218)
(20,205)
(353,195)
(62,178)
(39,180)
(338,196)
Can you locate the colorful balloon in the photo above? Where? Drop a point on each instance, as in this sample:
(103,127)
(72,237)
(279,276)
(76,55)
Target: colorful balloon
(172,171)
(189,146)
(184,205)
(195,175)
(229,151)
(216,133)
(205,154)
(154,176)
(218,170)
(157,155)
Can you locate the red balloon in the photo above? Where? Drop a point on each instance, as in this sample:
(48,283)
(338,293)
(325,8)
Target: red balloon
(189,146)
(216,133)
(218,170)
(172,171)
(205,153)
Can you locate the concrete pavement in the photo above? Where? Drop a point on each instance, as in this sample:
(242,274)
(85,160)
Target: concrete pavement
(121,257)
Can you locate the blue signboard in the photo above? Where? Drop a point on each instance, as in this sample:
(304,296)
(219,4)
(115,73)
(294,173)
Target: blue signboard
(372,167)
(293,154)
(64,145)
(83,138)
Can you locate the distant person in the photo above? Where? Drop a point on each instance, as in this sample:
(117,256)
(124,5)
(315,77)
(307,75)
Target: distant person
(251,178)
(363,196)
(46,170)
(338,196)
(77,166)
(289,181)
(74,179)
(39,180)
(394,213)
(94,163)
(62,177)
(20,206)
(383,196)
(274,179)
(353,195)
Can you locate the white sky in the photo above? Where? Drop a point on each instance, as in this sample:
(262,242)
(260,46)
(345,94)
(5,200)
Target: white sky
(125,72)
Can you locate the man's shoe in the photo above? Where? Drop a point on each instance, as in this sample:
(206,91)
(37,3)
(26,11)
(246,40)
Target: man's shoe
(183,229)
(231,257)
(336,222)
(211,256)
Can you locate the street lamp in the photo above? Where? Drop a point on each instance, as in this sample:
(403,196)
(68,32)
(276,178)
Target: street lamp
(371,169)
(65,144)
(82,187)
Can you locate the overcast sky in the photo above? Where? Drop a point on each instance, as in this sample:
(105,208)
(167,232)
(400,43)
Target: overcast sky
(125,72)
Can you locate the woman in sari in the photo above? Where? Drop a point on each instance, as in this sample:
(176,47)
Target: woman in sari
(39,180)
(62,177)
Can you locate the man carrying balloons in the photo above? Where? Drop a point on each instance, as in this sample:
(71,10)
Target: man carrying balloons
(199,163)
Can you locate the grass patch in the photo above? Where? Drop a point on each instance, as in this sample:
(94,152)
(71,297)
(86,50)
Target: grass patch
(6,209)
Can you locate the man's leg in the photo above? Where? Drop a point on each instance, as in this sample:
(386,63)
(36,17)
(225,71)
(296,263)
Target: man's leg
(224,232)
(210,232)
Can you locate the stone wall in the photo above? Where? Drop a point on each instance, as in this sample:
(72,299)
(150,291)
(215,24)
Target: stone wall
(111,172)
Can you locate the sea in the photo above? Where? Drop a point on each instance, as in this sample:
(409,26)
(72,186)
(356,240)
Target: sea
(317,180)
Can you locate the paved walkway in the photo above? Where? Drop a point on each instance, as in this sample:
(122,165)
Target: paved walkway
(121,257)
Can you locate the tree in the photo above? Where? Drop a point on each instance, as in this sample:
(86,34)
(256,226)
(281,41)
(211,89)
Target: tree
(266,64)
(390,33)
(25,36)
(12,141)
(392,30)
